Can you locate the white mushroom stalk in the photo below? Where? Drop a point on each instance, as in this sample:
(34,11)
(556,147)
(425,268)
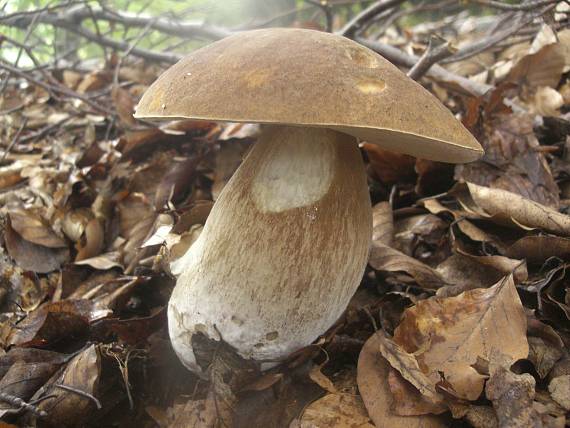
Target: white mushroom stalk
(283,250)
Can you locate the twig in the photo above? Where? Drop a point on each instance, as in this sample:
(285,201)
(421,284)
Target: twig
(327,10)
(521,7)
(74,17)
(22,405)
(14,140)
(482,45)
(359,21)
(50,88)
(432,55)
(437,72)
(80,392)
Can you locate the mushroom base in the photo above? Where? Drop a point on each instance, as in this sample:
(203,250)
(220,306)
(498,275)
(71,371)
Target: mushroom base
(283,250)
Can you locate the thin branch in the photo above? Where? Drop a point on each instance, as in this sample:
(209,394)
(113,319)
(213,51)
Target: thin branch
(359,21)
(327,10)
(80,392)
(22,405)
(60,89)
(14,140)
(74,16)
(520,7)
(486,43)
(437,72)
(433,54)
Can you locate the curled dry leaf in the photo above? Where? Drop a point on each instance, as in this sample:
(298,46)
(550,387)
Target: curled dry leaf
(124,105)
(382,224)
(71,406)
(372,380)
(537,249)
(545,346)
(92,242)
(30,256)
(384,258)
(55,322)
(448,335)
(32,228)
(409,401)
(508,208)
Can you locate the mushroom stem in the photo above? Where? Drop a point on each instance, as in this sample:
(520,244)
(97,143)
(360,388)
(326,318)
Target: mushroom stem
(283,250)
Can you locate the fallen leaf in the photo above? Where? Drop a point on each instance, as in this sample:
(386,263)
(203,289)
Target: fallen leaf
(510,209)
(372,380)
(384,258)
(55,322)
(512,396)
(390,167)
(33,229)
(382,224)
(68,408)
(538,248)
(408,401)
(448,335)
(334,410)
(33,257)
(559,388)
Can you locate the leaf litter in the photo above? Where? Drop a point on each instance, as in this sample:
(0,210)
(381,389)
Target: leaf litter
(463,312)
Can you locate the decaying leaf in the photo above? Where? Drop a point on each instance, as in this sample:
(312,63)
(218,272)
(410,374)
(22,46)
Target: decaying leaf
(334,410)
(382,224)
(512,396)
(72,395)
(511,209)
(372,380)
(387,259)
(448,335)
(559,388)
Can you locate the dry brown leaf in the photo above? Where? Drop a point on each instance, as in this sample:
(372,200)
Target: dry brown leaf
(545,346)
(317,376)
(228,159)
(408,401)
(334,410)
(382,224)
(32,228)
(559,388)
(512,396)
(176,183)
(372,380)
(55,322)
(390,167)
(93,241)
(448,335)
(124,104)
(66,408)
(387,259)
(542,68)
(33,257)
(508,208)
(537,249)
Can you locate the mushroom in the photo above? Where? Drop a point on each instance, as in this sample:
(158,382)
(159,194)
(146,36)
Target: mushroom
(286,243)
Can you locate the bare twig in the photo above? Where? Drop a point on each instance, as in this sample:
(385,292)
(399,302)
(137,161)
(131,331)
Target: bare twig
(22,405)
(433,54)
(14,140)
(80,392)
(522,7)
(51,88)
(74,17)
(486,43)
(327,10)
(359,21)
(437,72)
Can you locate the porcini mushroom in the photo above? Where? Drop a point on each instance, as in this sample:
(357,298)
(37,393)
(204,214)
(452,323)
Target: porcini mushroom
(286,243)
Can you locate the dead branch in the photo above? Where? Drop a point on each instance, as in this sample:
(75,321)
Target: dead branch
(437,72)
(76,15)
(363,18)
(520,7)
(327,10)
(53,88)
(20,404)
(433,54)
(487,43)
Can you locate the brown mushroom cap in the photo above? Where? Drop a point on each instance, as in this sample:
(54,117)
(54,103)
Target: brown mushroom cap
(309,78)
